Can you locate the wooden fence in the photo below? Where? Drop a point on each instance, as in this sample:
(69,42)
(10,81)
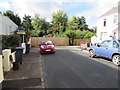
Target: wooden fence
(58,41)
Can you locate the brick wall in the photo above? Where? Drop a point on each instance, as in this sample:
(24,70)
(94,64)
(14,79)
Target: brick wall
(81,41)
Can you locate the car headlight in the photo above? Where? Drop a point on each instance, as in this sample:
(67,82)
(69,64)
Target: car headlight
(42,46)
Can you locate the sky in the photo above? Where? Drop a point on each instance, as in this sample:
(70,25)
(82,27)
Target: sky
(90,9)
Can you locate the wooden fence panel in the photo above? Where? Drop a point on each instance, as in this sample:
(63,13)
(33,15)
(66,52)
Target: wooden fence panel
(58,41)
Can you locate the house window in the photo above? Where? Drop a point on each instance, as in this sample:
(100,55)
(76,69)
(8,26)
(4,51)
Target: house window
(103,35)
(104,22)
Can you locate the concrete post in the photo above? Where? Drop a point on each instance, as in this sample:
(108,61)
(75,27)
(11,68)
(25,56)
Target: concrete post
(6,59)
(1,72)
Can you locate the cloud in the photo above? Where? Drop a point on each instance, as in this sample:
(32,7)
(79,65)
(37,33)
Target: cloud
(45,8)
(30,7)
(100,7)
(5,5)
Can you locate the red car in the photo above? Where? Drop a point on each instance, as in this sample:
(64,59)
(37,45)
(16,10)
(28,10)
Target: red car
(47,47)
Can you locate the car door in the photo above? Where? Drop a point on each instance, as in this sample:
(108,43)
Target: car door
(103,49)
(112,48)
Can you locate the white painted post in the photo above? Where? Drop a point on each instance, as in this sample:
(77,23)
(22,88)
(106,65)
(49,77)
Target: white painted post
(1,72)
(24,46)
(6,59)
(13,57)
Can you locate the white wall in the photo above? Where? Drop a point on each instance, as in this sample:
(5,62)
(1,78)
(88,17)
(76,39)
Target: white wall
(108,29)
(6,25)
(0,24)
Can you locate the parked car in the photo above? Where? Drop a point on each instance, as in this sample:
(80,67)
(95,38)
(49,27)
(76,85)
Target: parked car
(108,49)
(47,47)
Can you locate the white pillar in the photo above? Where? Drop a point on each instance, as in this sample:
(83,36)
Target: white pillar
(6,59)
(24,46)
(13,57)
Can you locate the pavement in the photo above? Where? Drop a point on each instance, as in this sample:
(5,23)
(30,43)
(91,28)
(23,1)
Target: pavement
(29,75)
(77,48)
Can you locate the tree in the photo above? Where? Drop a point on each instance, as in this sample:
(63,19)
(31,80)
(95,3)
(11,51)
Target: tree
(73,23)
(76,23)
(82,23)
(40,24)
(27,26)
(79,34)
(14,17)
(71,34)
(53,30)
(85,34)
(60,18)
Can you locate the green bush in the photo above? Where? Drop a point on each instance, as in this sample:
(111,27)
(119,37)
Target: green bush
(85,34)
(10,41)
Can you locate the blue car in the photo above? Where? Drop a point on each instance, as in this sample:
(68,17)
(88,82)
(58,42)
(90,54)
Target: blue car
(108,49)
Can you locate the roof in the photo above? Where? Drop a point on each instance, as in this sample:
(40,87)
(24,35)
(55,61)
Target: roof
(6,18)
(112,11)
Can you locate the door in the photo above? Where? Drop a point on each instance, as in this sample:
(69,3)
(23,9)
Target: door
(103,49)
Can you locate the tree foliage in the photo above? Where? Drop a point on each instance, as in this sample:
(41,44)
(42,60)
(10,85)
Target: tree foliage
(26,23)
(85,34)
(71,34)
(60,18)
(76,23)
(27,26)
(10,41)
(73,23)
(40,25)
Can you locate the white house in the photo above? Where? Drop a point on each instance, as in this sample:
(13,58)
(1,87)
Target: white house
(108,25)
(7,26)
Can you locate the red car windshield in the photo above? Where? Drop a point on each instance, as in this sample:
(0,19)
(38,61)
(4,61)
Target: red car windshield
(47,43)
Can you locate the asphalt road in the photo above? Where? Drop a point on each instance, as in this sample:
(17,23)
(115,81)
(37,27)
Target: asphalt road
(72,68)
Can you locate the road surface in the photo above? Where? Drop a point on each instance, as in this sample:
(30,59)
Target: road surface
(72,68)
